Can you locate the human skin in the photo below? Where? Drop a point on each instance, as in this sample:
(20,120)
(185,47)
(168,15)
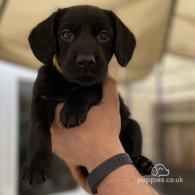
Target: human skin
(93,142)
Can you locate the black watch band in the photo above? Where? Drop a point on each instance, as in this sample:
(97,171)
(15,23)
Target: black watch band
(100,172)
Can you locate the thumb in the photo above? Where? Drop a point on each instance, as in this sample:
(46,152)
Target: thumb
(110,94)
(78,176)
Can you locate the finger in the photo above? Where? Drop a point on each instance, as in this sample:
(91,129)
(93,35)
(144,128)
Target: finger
(79,177)
(57,111)
(57,114)
(110,94)
(56,125)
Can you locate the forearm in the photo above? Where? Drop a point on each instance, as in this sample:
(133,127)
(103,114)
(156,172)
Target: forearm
(123,181)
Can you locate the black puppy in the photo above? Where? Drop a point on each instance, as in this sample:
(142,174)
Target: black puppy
(76,45)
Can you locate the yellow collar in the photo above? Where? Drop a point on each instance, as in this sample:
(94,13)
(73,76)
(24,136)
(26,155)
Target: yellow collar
(56,65)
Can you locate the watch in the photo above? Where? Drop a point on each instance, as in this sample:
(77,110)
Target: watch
(100,172)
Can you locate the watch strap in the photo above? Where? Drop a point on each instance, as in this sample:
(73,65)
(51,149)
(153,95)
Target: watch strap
(108,166)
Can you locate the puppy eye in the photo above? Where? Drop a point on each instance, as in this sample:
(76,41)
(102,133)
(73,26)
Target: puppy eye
(103,36)
(67,35)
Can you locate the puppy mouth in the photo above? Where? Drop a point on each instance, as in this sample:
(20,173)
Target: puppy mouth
(86,80)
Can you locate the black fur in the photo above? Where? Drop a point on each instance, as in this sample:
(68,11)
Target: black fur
(83,38)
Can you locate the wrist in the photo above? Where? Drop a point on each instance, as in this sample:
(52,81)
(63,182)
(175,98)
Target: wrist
(104,152)
(103,170)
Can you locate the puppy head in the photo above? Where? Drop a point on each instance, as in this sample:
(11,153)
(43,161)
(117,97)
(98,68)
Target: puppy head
(83,38)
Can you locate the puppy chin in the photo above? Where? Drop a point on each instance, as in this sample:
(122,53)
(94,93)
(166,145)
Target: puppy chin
(85,80)
(86,83)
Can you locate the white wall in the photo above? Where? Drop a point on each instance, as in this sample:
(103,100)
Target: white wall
(10,75)
(177,84)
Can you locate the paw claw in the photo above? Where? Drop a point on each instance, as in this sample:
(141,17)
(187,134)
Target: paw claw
(68,126)
(78,122)
(44,178)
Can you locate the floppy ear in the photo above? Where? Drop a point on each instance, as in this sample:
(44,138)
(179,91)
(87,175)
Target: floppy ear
(124,42)
(42,39)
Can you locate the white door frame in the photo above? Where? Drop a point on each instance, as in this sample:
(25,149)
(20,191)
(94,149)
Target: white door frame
(10,77)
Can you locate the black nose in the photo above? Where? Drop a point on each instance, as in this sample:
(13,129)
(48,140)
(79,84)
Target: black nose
(85,60)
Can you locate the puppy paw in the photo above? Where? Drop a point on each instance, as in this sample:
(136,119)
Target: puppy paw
(35,173)
(143,164)
(73,114)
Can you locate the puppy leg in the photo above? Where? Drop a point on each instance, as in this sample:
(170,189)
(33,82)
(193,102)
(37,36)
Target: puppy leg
(36,168)
(74,112)
(131,140)
(75,109)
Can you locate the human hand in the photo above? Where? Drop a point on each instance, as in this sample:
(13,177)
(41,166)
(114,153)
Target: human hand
(94,141)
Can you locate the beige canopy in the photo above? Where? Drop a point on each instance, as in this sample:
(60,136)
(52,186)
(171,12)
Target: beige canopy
(159,26)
